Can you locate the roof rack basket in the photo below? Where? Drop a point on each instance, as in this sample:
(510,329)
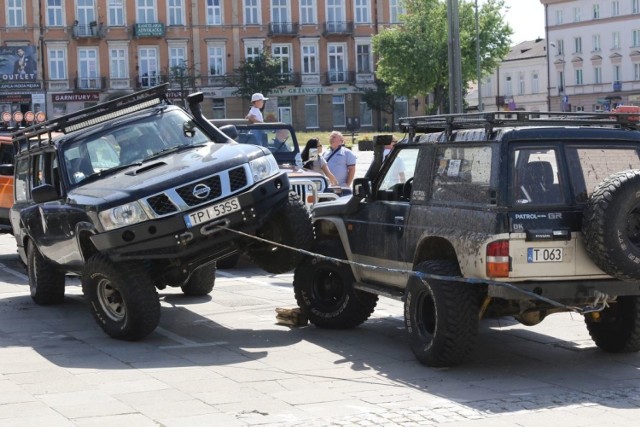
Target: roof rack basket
(90,116)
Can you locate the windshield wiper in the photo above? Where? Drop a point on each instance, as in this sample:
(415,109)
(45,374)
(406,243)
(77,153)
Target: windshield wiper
(171,150)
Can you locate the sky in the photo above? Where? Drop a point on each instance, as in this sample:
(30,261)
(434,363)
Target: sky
(526,18)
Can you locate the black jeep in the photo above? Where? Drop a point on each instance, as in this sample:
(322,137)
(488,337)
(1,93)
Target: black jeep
(137,194)
(483,216)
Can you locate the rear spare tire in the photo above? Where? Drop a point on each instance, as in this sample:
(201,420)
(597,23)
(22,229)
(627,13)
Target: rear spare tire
(611,225)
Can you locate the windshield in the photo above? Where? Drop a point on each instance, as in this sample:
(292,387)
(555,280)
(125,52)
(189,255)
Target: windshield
(281,141)
(128,144)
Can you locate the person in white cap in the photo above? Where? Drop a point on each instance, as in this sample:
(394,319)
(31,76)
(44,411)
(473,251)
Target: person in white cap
(255,113)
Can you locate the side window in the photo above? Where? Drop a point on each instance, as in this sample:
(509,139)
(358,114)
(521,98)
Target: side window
(397,181)
(39,174)
(21,183)
(535,177)
(462,174)
(6,154)
(590,166)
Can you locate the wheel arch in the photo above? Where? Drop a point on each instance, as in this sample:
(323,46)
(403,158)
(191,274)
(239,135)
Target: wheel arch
(435,248)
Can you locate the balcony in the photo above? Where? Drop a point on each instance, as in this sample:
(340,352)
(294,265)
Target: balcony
(283,29)
(122,84)
(146,81)
(90,83)
(338,28)
(216,80)
(93,30)
(58,85)
(290,79)
(365,77)
(338,77)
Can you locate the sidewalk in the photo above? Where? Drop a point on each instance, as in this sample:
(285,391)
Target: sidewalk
(222,360)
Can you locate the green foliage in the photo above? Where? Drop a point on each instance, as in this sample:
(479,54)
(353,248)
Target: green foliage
(261,74)
(378,98)
(413,58)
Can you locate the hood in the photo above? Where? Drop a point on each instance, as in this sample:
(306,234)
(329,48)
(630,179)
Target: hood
(163,173)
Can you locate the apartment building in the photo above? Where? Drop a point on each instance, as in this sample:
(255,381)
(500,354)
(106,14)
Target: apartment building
(58,56)
(519,82)
(594,54)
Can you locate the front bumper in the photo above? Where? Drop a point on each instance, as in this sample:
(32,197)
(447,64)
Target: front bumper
(170,238)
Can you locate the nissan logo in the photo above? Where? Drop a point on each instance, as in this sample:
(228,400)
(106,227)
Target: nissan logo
(201,191)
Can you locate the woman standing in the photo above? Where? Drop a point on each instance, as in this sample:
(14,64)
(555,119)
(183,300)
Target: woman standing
(319,164)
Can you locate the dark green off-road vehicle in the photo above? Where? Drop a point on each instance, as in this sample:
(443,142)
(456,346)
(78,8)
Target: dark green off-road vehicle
(136,194)
(495,214)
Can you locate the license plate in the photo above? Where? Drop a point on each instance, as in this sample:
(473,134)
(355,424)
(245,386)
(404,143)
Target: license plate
(545,254)
(212,212)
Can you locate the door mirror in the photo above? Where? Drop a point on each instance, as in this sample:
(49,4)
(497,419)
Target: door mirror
(362,187)
(44,193)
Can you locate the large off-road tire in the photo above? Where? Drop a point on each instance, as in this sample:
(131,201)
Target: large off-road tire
(45,283)
(121,297)
(618,328)
(441,317)
(290,226)
(325,293)
(611,225)
(201,281)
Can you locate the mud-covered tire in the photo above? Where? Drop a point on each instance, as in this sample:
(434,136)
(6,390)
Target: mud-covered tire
(121,297)
(201,281)
(325,293)
(45,283)
(441,317)
(228,262)
(290,226)
(618,327)
(611,225)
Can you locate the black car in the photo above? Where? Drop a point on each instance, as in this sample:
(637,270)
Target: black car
(483,216)
(137,194)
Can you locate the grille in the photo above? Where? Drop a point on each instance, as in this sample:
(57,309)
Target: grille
(161,204)
(186,192)
(237,178)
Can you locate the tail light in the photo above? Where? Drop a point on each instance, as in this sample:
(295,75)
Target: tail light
(498,259)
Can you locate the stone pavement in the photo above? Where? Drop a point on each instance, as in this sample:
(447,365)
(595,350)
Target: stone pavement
(222,360)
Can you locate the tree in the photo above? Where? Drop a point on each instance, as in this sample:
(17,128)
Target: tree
(261,74)
(183,76)
(379,99)
(413,58)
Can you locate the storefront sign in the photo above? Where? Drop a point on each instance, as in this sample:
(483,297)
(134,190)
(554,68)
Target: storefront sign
(18,98)
(313,90)
(76,97)
(18,67)
(155,29)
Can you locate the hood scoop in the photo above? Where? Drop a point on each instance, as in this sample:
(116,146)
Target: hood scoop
(145,168)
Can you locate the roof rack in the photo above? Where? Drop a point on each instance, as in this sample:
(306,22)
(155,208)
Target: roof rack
(91,116)
(490,120)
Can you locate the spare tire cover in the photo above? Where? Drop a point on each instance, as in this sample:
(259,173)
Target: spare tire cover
(611,225)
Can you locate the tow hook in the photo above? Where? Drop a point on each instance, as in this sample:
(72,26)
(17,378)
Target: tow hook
(214,227)
(184,238)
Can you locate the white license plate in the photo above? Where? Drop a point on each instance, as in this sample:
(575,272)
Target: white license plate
(545,254)
(212,212)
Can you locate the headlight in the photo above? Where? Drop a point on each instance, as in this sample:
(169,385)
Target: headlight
(121,216)
(263,168)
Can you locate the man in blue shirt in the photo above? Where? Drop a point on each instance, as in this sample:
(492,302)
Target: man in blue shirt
(341,160)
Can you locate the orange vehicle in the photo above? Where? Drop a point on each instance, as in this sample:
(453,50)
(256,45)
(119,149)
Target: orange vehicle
(6,181)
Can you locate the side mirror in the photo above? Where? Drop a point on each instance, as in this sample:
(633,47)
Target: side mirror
(230,130)
(44,193)
(362,187)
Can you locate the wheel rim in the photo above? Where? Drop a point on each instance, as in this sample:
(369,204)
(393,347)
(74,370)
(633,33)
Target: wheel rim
(426,316)
(328,289)
(111,300)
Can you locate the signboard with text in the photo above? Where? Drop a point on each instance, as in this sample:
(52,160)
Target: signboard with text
(18,67)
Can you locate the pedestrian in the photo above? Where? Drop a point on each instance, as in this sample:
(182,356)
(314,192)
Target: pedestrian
(341,160)
(318,164)
(255,113)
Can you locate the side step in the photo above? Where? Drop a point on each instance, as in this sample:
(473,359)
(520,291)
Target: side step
(386,291)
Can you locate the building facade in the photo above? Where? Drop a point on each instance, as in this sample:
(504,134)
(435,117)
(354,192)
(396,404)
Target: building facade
(58,56)
(594,54)
(519,83)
